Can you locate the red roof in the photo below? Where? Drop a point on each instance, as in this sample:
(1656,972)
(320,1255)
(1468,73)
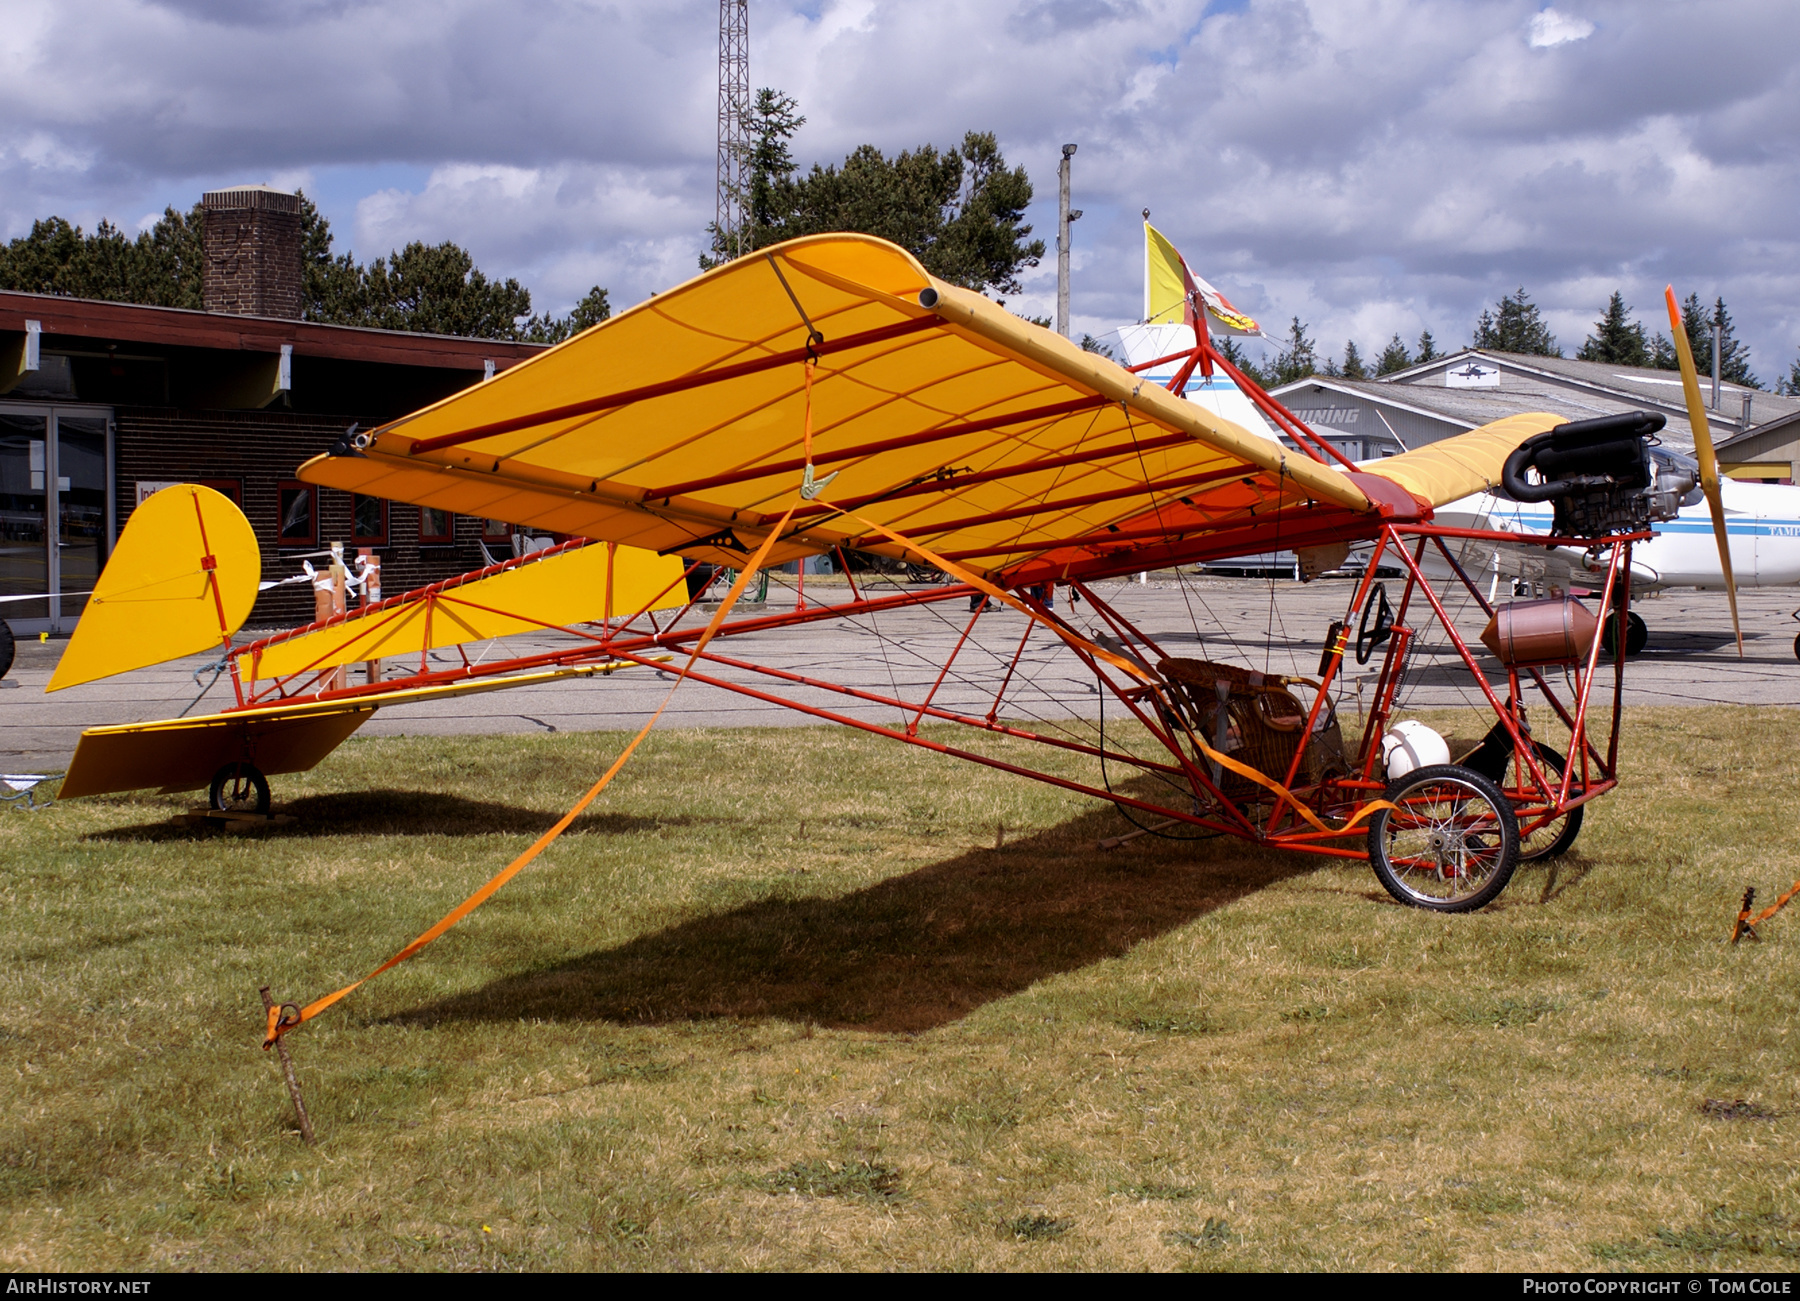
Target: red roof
(178,327)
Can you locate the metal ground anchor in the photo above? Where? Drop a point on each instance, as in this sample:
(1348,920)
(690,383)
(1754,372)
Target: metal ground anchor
(287,1071)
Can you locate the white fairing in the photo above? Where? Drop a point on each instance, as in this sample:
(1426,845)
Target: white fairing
(1762,522)
(1411,745)
(1217,393)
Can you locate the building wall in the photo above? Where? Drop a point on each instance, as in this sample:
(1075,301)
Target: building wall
(1352,415)
(259,450)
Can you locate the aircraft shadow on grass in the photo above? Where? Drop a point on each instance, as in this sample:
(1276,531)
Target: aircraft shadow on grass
(405,813)
(903,955)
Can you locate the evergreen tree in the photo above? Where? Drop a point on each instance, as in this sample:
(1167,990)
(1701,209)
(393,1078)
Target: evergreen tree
(1233,352)
(1790,386)
(1297,358)
(1090,344)
(1617,339)
(1353,362)
(960,212)
(1697,322)
(589,312)
(1395,357)
(1513,325)
(1427,349)
(161,267)
(436,289)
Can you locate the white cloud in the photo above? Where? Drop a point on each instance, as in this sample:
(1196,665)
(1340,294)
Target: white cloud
(1551,28)
(1367,165)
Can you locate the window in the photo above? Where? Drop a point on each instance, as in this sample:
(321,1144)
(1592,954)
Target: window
(232,488)
(297,515)
(495,530)
(437,528)
(368,520)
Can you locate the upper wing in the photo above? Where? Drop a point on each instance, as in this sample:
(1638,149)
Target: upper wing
(680,425)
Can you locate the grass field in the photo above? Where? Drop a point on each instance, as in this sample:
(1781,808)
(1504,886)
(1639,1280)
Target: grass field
(777,1002)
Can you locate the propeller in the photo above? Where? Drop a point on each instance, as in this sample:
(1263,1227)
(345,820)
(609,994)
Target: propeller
(1703,453)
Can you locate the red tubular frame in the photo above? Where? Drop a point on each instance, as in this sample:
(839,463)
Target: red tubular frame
(1539,799)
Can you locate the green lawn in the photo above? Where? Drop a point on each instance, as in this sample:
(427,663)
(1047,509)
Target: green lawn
(777,1002)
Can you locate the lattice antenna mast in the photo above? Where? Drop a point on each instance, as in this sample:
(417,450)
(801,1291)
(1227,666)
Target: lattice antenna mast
(732,217)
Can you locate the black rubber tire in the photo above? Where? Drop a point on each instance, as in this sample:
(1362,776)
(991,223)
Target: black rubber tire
(1637,634)
(8,648)
(1796,648)
(239,788)
(1544,845)
(1456,795)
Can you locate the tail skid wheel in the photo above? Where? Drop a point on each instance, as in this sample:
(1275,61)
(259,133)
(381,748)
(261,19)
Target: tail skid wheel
(240,788)
(1450,845)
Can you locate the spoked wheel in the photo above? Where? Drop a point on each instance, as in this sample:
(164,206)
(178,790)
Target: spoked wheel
(1450,845)
(240,788)
(1556,835)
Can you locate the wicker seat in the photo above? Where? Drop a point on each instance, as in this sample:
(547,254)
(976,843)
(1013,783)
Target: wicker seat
(1261,724)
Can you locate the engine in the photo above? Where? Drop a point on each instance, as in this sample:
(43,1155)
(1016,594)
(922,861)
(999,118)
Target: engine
(1599,475)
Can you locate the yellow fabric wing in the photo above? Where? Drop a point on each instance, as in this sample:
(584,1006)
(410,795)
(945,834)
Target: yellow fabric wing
(570,587)
(679,426)
(182,578)
(1447,471)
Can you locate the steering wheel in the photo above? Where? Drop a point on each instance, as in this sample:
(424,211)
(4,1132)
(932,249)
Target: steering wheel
(1367,638)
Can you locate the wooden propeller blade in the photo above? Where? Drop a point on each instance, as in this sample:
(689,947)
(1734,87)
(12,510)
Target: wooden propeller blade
(1703,453)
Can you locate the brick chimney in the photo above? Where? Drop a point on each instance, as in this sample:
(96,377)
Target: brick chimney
(252,243)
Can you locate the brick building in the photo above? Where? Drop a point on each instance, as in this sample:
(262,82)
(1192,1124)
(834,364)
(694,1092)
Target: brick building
(102,403)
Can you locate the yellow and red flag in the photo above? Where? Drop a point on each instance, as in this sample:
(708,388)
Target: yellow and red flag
(1173,294)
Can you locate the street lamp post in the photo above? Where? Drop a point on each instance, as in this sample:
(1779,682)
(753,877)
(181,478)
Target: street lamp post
(1063,217)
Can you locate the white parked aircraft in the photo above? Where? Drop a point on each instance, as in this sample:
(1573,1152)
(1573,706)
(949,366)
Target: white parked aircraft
(1762,522)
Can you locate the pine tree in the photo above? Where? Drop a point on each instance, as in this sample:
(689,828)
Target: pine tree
(1617,339)
(1697,322)
(1353,362)
(436,289)
(1395,357)
(1427,349)
(1297,358)
(1790,386)
(959,211)
(1514,325)
(1233,352)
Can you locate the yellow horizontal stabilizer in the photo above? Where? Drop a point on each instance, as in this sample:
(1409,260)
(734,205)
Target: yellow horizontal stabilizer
(1453,468)
(182,754)
(570,587)
(182,579)
(685,424)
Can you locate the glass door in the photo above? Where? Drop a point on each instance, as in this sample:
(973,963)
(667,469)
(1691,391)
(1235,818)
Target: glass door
(56,511)
(81,515)
(24,519)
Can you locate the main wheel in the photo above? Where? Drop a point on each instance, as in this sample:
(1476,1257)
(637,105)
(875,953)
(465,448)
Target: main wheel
(1450,845)
(8,648)
(1555,836)
(1637,633)
(240,788)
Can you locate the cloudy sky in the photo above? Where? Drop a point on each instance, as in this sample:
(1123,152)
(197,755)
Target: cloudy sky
(1371,166)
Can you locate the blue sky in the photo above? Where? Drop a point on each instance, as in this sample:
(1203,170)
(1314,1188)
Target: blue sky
(1372,166)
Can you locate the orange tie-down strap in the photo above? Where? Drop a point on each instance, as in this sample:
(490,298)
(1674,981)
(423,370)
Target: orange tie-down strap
(1086,647)
(286,1017)
(1746,924)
